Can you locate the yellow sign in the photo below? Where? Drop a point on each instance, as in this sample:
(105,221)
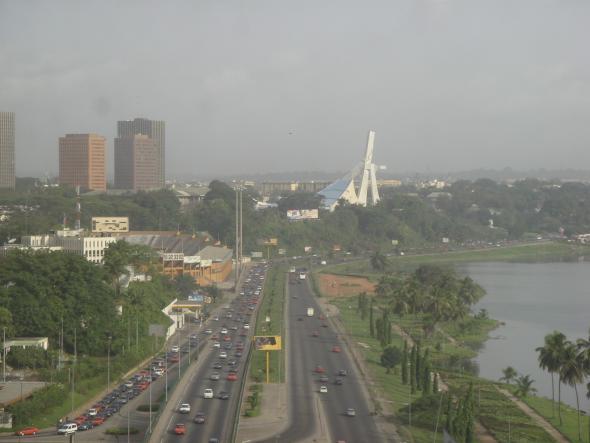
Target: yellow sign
(267,342)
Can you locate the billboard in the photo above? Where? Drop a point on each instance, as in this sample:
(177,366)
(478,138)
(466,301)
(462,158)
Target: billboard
(267,342)
(110,224)
(302,214)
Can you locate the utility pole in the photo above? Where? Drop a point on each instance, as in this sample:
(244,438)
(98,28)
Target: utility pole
(237,248)
(4,356)
(241,226)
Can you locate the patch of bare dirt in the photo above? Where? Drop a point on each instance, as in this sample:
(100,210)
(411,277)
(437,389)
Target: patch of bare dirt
(344,286)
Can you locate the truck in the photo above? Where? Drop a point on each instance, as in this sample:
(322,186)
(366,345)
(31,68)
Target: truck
(310,312)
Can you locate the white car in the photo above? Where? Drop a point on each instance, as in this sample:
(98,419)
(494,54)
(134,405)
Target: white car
(184,408)
(246,326)
(223,331)
(216,344)
(208,331)
(223,354)
(68,428)
(175,348)
(323,389)
(208,393)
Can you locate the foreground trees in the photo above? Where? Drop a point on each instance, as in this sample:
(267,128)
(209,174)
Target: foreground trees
(432,290)
(571,361)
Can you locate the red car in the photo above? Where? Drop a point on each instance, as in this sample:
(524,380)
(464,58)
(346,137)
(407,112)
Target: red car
(227,338)
(98,421)
(336,349)
(179,429)
(232,376)
(80,419)
(31,430)
(319,369)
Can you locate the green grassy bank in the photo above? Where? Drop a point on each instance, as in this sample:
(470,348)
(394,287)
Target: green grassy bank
(493,409)
(529,252)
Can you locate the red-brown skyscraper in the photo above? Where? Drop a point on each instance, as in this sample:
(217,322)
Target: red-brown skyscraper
(82,161)
(137,160)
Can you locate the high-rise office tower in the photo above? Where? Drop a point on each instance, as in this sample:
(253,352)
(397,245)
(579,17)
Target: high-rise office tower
(154,129)
(82,161)
(7,150)
(136,163)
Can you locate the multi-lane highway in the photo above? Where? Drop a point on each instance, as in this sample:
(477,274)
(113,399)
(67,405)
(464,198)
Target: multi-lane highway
(311,346)
(231,332)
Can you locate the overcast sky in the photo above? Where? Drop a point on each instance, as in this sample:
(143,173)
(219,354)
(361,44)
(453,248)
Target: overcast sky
(270,85)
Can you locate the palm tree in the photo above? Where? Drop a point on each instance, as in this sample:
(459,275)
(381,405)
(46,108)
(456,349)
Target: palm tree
(549,360)
(379,261)
(553,353)
(584,349)
(524,386)
(572,373)
(509,374)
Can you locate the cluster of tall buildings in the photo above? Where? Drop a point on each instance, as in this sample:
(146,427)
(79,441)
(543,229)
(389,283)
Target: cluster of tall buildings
(140,148)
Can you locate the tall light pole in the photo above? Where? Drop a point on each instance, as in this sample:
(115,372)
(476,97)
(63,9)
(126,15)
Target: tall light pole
(4,355)
(109,364)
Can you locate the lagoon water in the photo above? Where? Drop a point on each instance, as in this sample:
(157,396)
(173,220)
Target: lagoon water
(532,299)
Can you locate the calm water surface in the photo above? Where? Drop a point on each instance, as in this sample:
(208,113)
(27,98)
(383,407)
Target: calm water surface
(532,300)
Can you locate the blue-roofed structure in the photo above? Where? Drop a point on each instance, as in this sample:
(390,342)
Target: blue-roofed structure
(344,188)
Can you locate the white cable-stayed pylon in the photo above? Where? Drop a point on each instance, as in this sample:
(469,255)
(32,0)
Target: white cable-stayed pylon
(368,174)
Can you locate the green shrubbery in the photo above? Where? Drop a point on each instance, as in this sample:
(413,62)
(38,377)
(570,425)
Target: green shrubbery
(41,400)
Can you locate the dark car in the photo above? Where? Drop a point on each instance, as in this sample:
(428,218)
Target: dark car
(85,426)
(217,366)
(338,381)
(342,372)
(223,395)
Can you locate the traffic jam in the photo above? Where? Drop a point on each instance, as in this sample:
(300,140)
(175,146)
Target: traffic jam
(228,337)
(228,334)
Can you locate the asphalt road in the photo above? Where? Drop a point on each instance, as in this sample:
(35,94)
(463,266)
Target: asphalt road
(141,420)
(220,414)
(306,352)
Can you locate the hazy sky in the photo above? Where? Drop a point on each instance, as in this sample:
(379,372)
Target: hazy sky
(272,85)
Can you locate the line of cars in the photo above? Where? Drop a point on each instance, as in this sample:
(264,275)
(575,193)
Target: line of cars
(229,343)
(320,370)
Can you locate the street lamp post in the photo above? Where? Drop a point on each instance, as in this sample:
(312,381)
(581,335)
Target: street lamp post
(4,356)
(109,364)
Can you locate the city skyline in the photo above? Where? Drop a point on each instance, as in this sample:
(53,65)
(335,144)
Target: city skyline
(447,85)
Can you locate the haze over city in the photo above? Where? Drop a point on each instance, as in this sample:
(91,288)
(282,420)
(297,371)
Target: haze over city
(253,87)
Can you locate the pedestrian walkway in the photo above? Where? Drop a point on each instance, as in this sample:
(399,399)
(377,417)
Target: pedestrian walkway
(548,427)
